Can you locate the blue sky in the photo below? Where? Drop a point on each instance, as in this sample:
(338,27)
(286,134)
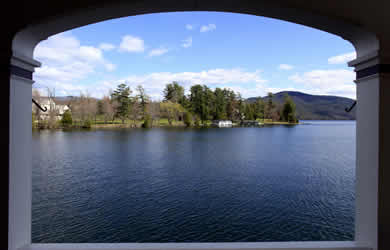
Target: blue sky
(250,54)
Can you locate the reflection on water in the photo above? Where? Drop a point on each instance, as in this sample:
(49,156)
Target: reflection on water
(277,183)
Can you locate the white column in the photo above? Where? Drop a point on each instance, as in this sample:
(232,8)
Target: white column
(367,159)
(372,150)
(384,162)
(19,226)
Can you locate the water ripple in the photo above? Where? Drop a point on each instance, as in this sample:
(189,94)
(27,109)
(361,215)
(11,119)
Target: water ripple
(182,185)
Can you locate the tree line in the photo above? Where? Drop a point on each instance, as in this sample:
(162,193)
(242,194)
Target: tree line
(198,108)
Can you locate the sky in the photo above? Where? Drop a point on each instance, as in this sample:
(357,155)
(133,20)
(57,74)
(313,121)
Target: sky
(249,54)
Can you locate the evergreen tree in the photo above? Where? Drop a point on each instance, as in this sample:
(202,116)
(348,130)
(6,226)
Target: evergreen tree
(269,107)
(288,111)
(209,104)
(220,104)
(259,109)
(186,103)
(248,112)
(241,107)
(231,105)
(143,99)
(174,92)
(66,120)
(122,96)
(198,102)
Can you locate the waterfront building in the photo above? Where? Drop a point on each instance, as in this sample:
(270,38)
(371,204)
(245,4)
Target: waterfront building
(222,123)
(51,107)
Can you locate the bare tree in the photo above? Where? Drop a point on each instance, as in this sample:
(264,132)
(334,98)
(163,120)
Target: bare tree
(108,108)
(78,109)
(153,109)
(91,107)
(172,111)
(84,108)
(135,111)
(53,113)
(35,110)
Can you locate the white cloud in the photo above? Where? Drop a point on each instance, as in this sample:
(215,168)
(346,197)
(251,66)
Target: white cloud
(132,44)
(189,26)
(154,83)
(158,52)
(209,27)
(327,82)
(66,73)
(343,58)
(110,67)
(187,42)
(91,53)
(286,67)
(60,48)
(65,61)
(64,53)
(246,92)
(106,46)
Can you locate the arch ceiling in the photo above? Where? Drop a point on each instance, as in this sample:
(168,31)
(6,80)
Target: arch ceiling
(345,18)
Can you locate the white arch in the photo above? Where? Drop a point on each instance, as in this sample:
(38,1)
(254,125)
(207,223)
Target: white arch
(366,45)
(26,40)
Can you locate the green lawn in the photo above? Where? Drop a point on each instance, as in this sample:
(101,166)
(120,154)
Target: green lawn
(138,123)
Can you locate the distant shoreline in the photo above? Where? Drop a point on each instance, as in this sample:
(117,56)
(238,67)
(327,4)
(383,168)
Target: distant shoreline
(180,124)
(175,125)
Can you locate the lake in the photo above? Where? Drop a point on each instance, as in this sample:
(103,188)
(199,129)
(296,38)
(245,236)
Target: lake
(272,183)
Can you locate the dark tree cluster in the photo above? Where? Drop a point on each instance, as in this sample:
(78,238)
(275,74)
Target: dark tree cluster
(199,106)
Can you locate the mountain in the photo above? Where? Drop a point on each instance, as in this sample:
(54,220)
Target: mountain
(67,99)
(64,98)
(316,107)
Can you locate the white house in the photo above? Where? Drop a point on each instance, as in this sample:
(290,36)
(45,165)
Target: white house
(223,123)
(51,106)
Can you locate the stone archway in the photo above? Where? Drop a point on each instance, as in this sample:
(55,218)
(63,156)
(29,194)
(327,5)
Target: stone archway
(371,91)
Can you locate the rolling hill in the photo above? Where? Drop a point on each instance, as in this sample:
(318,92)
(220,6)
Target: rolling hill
(316,107)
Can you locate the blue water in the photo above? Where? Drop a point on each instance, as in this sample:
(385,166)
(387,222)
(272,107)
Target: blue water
(276,183)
